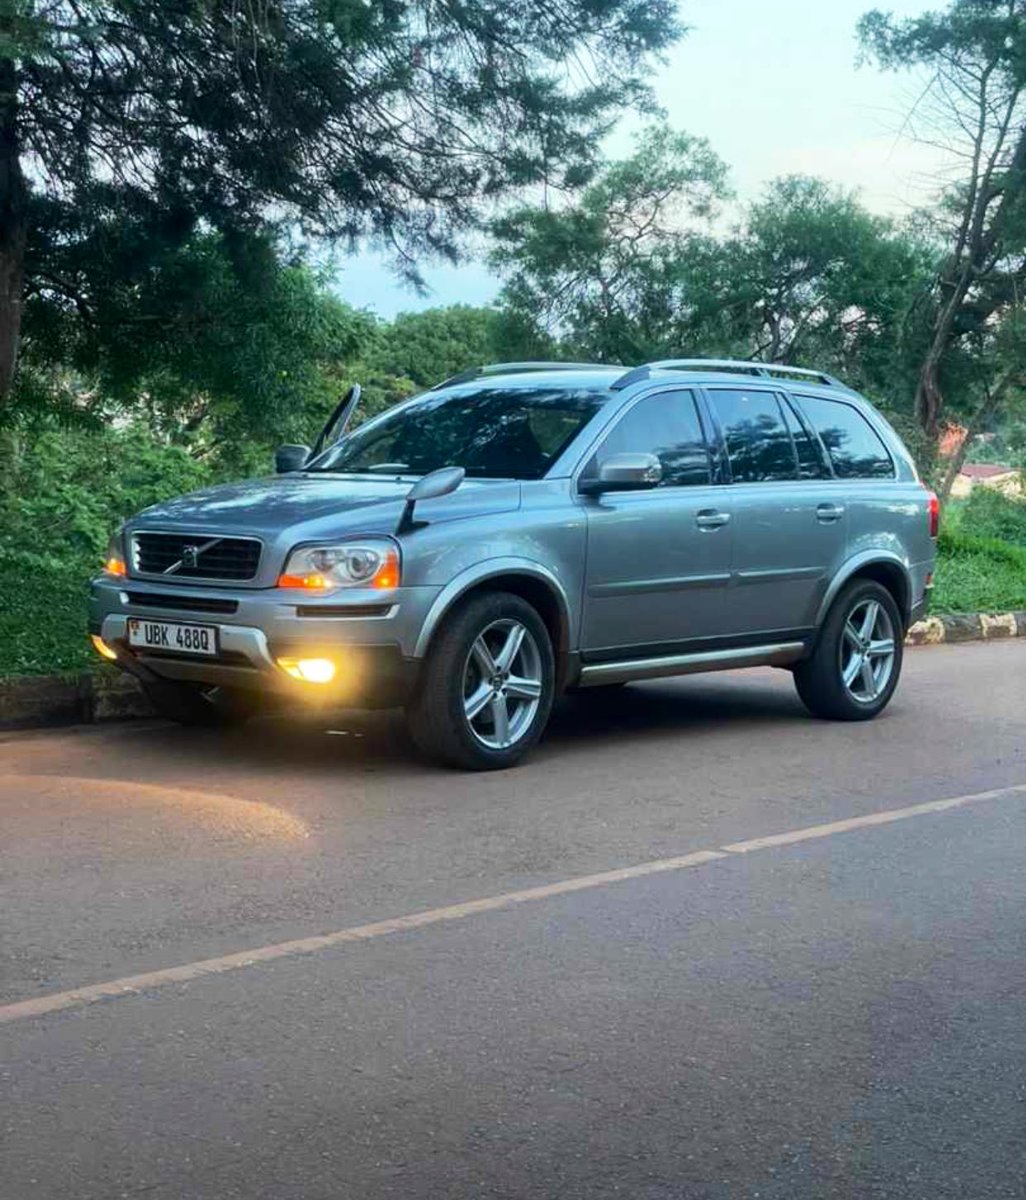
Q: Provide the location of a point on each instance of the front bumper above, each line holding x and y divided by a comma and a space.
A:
370, 636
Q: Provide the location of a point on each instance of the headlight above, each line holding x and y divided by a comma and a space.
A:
114, 561
363, 562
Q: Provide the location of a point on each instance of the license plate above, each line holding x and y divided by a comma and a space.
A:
172, 637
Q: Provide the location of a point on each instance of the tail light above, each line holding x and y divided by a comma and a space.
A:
933, 510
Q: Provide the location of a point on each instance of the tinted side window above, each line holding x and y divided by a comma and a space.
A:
811, 464
854, 446
666, 425
758, 443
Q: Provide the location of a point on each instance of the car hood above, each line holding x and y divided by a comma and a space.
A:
314, 506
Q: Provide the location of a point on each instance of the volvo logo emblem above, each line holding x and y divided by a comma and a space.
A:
190, 557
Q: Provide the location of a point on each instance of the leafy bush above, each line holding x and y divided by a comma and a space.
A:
979, 574
990, 513
62, 495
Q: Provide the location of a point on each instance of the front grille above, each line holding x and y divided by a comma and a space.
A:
205, 604
195, 556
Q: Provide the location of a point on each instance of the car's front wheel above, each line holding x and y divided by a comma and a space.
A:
854, 669
487, 685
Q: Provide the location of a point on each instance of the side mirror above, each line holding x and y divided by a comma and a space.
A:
429, 487
624, 473
290, 458
437, 483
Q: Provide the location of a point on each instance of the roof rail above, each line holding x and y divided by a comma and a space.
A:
738, 366
515, 368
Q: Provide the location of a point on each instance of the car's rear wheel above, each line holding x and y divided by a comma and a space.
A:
855, 667
487, 686
198, 705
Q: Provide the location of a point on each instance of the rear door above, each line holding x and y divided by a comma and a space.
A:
658, 561
790, 519
864, 472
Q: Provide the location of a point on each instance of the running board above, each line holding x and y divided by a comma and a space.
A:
779, 654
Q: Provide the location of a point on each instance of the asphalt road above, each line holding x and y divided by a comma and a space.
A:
841, 1015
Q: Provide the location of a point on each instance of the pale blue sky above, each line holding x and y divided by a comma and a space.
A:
774, 87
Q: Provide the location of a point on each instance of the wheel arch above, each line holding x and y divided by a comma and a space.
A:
886, 569
529, 580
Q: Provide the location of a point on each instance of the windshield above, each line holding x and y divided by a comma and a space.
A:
501, 433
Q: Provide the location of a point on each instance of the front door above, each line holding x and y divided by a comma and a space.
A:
658, 563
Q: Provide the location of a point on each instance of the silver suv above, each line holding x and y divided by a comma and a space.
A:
525, 529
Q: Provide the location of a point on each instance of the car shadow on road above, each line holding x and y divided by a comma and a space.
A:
321, 743
676, 707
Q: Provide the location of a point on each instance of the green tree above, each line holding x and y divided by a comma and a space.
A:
807, 276
810, 276
427, 347
346, 117
606, 276
418, 350
207, 342
974, 105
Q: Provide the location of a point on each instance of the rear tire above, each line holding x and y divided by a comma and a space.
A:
855, 667
198, 706
487, 685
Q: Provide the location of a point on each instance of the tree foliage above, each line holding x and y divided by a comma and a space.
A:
974, 107
606, 274
346, 117
419, 349
207, 341
810, 275
631, 273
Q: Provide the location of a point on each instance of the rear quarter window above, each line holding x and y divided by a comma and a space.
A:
856, 450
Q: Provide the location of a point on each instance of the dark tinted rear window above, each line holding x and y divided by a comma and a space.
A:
854, 446
758, 443
502, 433
811, 463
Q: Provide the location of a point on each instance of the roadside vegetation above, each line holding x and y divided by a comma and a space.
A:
982, 559
174, 215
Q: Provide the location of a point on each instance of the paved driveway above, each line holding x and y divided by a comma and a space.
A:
657, 997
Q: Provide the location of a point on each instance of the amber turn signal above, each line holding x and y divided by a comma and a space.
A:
310, 583
101, 647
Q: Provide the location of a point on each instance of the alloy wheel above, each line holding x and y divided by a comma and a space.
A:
502, 684
868, 650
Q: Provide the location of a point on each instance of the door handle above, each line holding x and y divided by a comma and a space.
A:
829, 512
711, 518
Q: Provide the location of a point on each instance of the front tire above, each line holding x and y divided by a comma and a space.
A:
487, 686
197, 706
855, 667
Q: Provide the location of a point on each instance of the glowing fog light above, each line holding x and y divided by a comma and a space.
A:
309, 670
101, 647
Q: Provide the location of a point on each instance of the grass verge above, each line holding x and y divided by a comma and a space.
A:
978, 574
